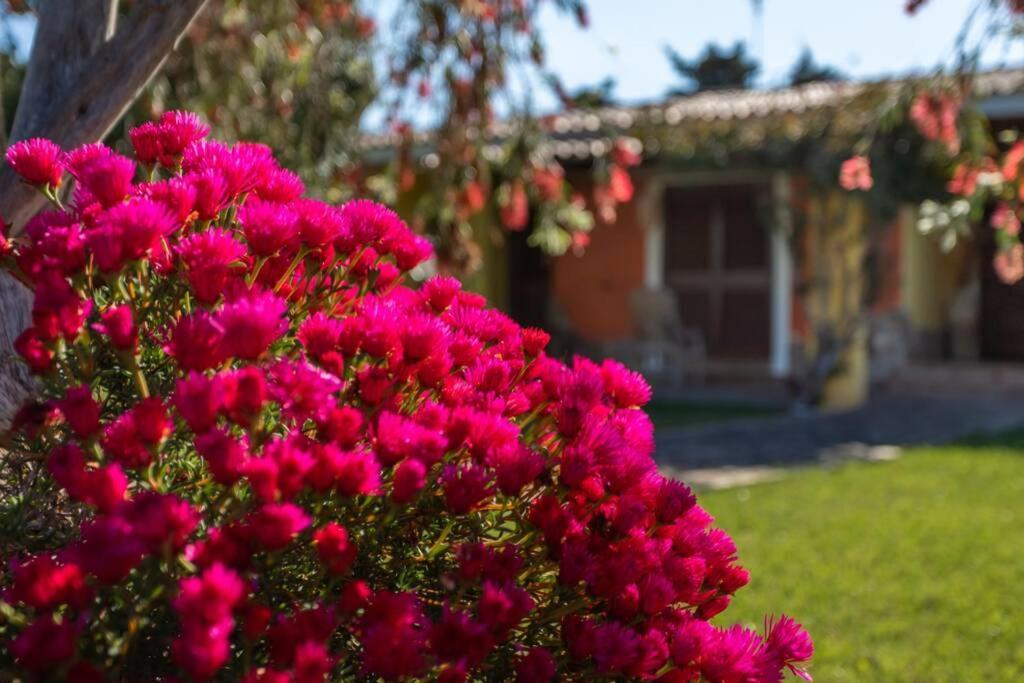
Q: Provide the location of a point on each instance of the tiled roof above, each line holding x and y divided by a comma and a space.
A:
583, 134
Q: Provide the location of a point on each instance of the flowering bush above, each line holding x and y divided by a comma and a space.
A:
273, 461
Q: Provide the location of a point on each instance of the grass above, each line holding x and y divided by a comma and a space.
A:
667, 414
904, 571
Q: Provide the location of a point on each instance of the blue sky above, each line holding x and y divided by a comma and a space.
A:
626, 39
868, 38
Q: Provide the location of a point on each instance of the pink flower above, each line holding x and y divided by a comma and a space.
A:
176, 132
409, 479
81, 411
465, 487
312, 662
198, 400
538, 666
196, 342
399, 437
45, 645
302, 390
320, 334
152, 425
458, 637
117, 323
38, 161
440, 291
629, 389
109, 548
366, 222
251, 324
121, 441
616, 647
162, 521
964, 181
105, 175
129, 232
210, 597
1005, 218
276, 524
210, 192
225, 456
280, 185
358, 473
57, 309
34, 351
789, 644
205, 605
207, 258
1009, 264
56, 241
342, 402
935, 116
674, 499
392, 637
516, 467
176, 194
146, 141
319, 223
515, 206
245, 393
104, 487
855, 174
44, 583
204, 650
501, 608
334, 548
268, 226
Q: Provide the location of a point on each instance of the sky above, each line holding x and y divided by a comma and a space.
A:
864, 39
626, 39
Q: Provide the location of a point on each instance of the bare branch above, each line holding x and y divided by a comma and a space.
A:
67, 35
94, 93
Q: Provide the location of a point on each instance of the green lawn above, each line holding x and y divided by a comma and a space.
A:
686, 413
904, 571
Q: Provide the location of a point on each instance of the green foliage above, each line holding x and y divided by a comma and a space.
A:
807, 70
295, 75
716, 68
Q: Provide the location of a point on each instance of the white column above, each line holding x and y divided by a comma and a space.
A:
654, 235
782, 276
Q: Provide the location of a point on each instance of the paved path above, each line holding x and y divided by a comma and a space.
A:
788, 440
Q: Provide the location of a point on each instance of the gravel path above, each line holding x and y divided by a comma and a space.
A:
888, 420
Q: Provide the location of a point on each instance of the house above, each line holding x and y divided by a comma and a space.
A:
778, 276
739, 260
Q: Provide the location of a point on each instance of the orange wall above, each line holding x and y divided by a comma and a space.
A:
594, 289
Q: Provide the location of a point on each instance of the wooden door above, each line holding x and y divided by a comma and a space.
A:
717, 262
1001, 319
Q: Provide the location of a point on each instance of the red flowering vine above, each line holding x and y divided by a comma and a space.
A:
276, 461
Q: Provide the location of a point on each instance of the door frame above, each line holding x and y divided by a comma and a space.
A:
779, 362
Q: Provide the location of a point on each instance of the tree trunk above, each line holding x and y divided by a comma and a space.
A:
85, 70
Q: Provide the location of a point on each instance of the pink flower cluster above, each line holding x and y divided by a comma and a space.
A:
935, 115
855, 174
286, 465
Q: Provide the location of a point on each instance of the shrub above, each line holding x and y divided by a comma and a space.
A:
267, 459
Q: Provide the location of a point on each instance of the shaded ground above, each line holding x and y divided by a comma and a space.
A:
906, 571
670, 414
787, 439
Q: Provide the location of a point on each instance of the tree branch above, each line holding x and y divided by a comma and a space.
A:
98, 87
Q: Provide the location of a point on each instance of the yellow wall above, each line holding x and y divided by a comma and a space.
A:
835, 244
930, 277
